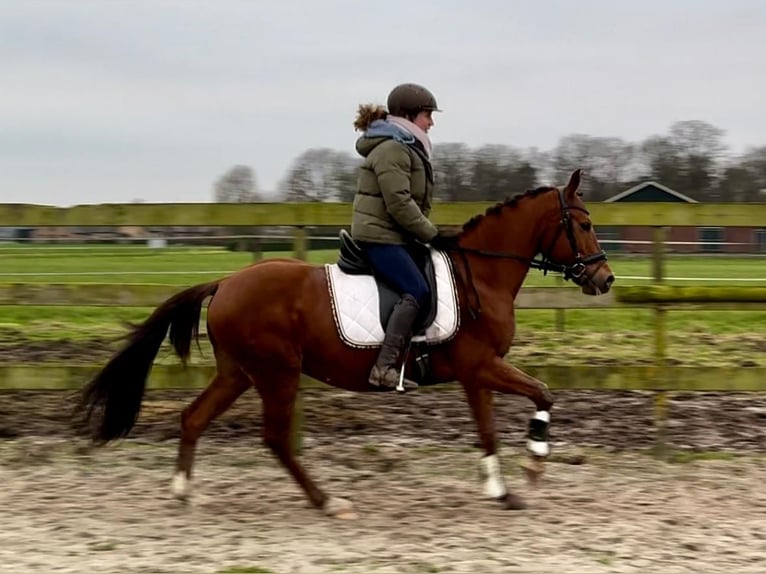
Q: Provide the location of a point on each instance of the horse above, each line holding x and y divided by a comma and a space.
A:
272, 321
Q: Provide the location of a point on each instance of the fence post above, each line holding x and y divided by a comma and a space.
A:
256, 248
660, 343
658, 254
299, 242
560, 313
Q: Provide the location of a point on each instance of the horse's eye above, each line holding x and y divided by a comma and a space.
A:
586, 226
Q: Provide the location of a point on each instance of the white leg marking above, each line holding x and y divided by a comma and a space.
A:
180, 486
544, 416
494, 486
540, 447
340, 508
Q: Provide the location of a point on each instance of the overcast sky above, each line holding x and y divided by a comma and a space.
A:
111, 101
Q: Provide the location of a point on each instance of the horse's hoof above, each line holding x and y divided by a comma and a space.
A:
340, 508
533, 469
348, 514
180, 486
513, 502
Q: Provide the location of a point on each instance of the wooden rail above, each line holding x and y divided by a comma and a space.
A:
150, 295
573, 377
339, 214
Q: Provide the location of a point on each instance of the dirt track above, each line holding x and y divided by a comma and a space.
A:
729, 422
410, 467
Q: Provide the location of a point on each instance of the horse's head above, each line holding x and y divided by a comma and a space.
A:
571, 242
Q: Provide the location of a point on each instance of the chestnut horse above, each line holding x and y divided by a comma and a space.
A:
273, 320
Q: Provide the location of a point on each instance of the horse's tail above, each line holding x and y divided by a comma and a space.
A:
109, 404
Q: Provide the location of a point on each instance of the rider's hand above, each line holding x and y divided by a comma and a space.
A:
445, 240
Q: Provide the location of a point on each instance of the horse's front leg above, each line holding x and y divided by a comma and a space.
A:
481, 403
498, 375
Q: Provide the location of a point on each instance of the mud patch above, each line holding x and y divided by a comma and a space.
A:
619, 420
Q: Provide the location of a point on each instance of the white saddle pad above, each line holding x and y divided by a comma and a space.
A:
355, 306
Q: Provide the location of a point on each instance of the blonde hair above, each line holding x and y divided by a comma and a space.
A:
368, 113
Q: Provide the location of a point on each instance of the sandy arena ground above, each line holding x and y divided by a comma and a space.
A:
409, 465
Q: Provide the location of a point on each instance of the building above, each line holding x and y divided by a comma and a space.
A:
638, 239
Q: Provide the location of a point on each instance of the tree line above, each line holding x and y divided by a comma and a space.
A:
691, 158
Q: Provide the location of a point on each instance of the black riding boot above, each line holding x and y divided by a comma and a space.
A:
398, 333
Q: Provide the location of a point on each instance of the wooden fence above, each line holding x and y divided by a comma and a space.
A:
658, 376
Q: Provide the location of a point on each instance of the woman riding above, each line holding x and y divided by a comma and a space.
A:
391, 209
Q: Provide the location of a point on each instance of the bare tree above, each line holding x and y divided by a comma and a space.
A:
697, 138
321, 174
452, 171
609, 163
663, 161
702, 148
500, 171
754, 161
237, 185
744, 179
541, 160
689, 159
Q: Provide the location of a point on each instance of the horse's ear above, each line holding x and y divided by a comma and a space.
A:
574, 183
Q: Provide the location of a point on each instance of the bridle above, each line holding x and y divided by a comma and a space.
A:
575, 272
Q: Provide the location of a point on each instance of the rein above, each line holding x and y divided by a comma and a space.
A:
574, 271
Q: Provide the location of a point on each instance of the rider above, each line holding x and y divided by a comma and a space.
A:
391, 208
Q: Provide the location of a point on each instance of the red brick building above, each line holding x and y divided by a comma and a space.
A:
638, 239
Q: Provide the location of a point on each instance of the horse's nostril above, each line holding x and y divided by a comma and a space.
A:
609, 281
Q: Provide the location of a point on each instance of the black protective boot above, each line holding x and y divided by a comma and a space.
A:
385, 372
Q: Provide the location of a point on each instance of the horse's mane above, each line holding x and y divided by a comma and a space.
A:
507, 202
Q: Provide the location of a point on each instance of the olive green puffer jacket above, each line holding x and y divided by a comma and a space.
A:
394, 192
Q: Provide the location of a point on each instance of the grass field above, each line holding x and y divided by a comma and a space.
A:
592, 337
79, 322
187, 266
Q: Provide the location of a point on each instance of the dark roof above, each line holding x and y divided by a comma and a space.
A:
653, 191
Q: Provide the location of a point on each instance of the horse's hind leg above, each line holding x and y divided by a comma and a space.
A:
279, 392
222, 391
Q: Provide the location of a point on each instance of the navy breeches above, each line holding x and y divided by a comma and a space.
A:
395, 266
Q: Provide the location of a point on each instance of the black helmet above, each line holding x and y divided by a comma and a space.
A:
411, 99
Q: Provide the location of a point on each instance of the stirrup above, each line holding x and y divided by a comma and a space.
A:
405, 385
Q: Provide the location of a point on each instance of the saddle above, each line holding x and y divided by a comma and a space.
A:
351, 260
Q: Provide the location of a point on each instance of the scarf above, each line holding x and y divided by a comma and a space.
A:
413, 130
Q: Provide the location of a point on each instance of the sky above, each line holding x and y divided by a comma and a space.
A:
107, 101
